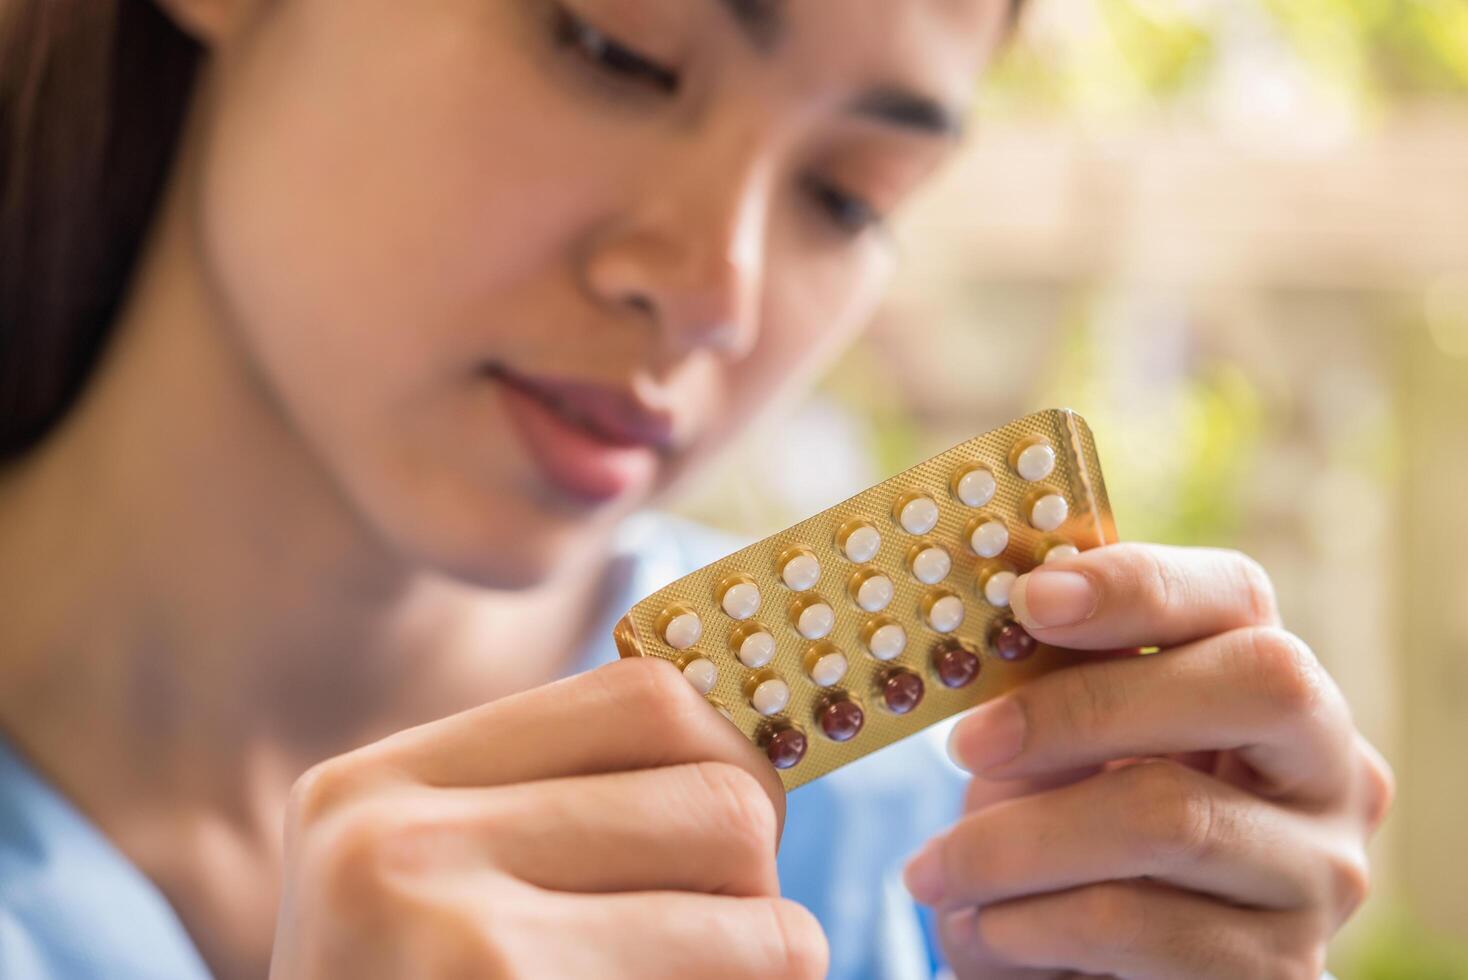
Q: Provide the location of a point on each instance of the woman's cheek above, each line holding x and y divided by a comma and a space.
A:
820, 293
383, 207
813, 308
381, 235
369, 243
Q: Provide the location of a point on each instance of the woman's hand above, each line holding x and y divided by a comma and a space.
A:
1202, 812
609, 825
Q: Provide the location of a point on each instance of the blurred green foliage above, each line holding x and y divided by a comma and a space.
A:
1398, 949
1130, 54
1382, 49
1181, 453
1135, 59
895, 436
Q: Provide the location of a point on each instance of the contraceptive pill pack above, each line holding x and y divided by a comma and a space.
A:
888, 612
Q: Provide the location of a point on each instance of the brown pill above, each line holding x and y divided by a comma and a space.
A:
902, 690
841, 720
786, 747
956, 666
1011, 642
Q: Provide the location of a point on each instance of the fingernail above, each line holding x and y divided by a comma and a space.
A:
923, 875
961, 928
991, 736
1045, 599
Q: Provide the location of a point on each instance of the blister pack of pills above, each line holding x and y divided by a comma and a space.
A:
888, 612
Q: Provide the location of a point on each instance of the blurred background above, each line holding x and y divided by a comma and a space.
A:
1234, 235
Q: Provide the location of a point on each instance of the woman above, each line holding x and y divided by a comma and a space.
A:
317, 505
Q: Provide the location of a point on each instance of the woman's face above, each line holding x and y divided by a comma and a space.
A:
509, 267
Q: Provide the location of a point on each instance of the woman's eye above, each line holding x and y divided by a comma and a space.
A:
849, 212
609, 55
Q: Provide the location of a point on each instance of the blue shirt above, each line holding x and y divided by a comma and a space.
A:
72, 906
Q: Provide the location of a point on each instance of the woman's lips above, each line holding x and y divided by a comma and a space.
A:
586, 440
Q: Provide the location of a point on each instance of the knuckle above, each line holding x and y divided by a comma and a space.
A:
348, 854
321, 790
1092, 698
1007, 931
740, 805
978, 849
1286, 674
364, 849
462, 942
1258, 588
652, 689
1148, 577
1002, 928
1380, 787
1109, 916
1350, 883
803, 949
1180, 818
1299, 946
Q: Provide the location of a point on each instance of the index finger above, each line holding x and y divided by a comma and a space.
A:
1135, 595
1259, 692
632, 714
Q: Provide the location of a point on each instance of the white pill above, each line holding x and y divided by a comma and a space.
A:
976, 487
862, 543
1049, 512
989, 539
1061, 551
771, 696
741, 600
801, 572
946, 615
887, 641
683, 630
997, 588
702, 674
931, 566
829, 669
1035, 462
816, 621
919, 515
874, 593
757, 650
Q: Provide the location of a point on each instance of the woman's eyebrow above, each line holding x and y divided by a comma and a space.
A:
763, 21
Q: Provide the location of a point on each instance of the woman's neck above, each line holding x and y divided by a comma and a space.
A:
194, 614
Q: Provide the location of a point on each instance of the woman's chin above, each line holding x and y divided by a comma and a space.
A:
507, 542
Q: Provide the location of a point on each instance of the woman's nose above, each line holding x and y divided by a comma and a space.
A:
689, 257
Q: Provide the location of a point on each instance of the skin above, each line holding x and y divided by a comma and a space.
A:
1199, 812
295, 507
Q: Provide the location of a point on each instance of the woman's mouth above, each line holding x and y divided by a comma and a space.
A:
594, 442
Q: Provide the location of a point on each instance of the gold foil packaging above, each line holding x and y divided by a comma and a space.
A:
890, 611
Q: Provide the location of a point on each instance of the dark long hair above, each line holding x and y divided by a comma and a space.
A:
92, 99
